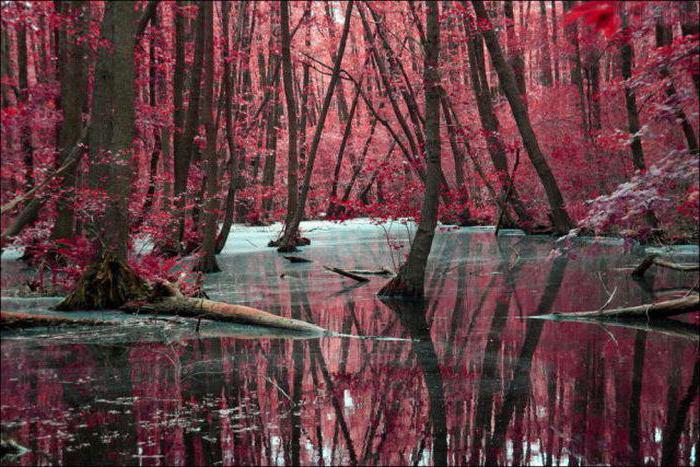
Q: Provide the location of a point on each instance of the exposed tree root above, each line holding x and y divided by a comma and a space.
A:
345, 273
16, 320
654, 259
657, 310
107, 284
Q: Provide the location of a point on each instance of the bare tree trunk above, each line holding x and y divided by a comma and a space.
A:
111, 130
626, 54
332, 206
555, 43
273, 115
157, 141
340, 98
560, 217
26, 130
410, 280
664, 38
185, 148
287, 72
491, 126
515, 49
72, 70
571, 32
291, 231
546, 64
207, 263
689, 27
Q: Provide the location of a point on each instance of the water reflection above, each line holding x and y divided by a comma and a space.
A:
474, 383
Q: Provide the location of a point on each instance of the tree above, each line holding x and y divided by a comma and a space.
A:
109, 282
626, 54
291, 230
207, 262
410, 280
287, 72
560, 217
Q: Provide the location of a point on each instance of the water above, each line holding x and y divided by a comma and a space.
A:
472, 381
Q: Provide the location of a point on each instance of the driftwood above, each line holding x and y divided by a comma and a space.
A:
297, 259
345, 273
173, 303
654, 259
657, 310
16, 320
667, 327
371, 272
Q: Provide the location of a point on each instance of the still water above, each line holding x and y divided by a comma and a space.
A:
468, 378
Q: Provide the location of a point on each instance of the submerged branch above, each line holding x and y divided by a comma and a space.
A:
17, 320
654, 259
657, 310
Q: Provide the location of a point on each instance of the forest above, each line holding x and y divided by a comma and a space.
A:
350, 232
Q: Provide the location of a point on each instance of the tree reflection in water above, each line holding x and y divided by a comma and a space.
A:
472, 383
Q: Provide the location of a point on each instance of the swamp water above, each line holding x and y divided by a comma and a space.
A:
468, 381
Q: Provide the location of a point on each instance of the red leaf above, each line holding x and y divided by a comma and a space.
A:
601, 15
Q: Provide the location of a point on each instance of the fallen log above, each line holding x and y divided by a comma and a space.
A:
16, 320
657, 310
177, 305
665, 326
654, 259
297, 259
345, 273
372, 272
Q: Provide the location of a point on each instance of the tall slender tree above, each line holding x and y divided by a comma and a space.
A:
561, 221
410, 280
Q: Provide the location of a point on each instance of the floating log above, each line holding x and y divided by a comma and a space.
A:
16, 320
654, 259
371, 272
665, 326
657, 310
297, 259
345, 273
177, 305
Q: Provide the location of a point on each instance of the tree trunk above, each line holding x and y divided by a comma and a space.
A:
664, 38
184, 150
571, 32
490, 124
690, 27
515, 50
207, 262
546, 64
410, 280
626, 54
560, 217
26, 130
287, 77
111, 130
72, 68
291, 231
555, 43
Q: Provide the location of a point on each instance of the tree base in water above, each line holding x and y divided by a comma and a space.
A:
398, 287
207, 264
106, 284
291, 246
